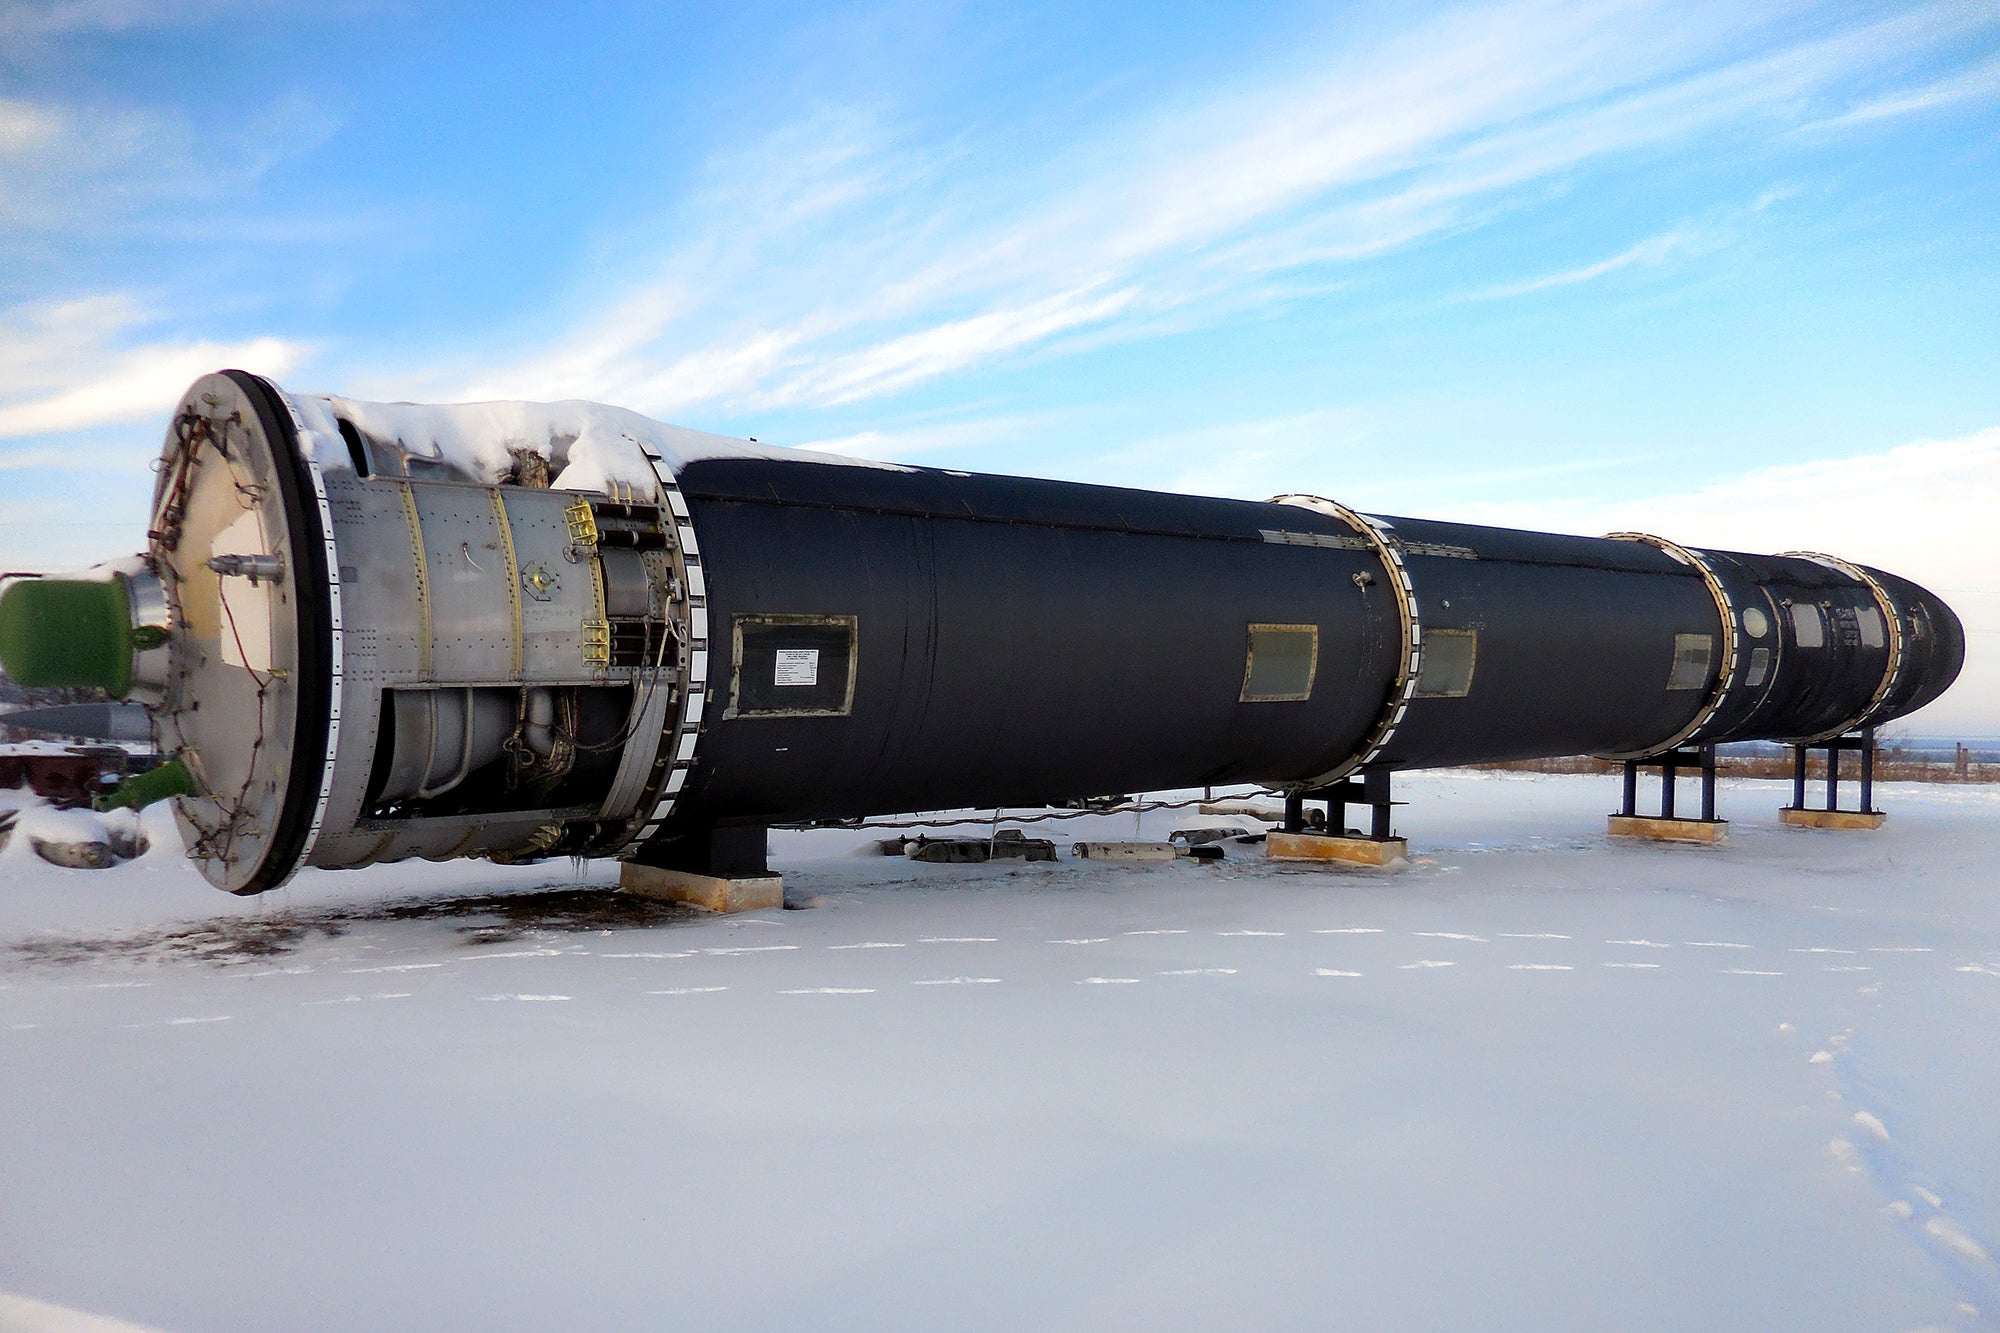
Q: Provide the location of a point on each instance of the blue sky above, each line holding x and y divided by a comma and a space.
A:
1733, 269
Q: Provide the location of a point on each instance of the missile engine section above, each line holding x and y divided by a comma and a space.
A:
370, 632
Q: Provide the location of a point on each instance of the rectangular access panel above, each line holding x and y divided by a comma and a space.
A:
793, 666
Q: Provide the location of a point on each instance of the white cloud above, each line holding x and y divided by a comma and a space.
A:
72, 170
1979, 82
899, 444
1923, 511
830, 263
942, 348
77, 364
24, 21
1652, 251
1250, 460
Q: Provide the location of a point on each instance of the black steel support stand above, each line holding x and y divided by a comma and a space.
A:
1862, 741
1370, 787
736, 850
1699, 759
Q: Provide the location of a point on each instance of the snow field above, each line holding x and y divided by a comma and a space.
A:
1537, 1080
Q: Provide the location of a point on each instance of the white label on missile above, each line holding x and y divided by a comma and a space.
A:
797, 666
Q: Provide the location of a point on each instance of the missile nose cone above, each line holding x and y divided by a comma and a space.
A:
67, 632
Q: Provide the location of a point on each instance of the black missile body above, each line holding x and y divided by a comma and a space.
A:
368, 632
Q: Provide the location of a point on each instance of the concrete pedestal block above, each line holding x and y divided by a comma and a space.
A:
1336, 847
1841, 819
718, 893
1655, 829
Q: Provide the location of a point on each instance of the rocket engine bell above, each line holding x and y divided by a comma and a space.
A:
372, 632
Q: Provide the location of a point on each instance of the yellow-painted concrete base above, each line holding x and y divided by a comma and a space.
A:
1335, 847
1669, 830
717, 893
1798, 818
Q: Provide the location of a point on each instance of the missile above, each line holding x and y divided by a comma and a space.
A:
369, 632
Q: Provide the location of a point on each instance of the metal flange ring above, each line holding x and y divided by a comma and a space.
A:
1382, 539
1892, 616
1732, 642
674, 760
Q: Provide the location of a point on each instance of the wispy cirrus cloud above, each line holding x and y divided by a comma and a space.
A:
78, 170
835, 263
42, 20
1980, 82
1652, 251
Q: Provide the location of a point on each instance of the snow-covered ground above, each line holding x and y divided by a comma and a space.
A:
1537, 1080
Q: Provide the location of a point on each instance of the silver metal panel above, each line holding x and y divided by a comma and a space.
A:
383, 581
471, 604
557, 594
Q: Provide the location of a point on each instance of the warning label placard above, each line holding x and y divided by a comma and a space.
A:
797, 666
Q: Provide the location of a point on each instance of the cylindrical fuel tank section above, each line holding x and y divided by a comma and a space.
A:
516, 630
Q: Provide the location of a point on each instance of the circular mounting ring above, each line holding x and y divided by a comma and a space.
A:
674, 761
1382, 538
1732, 642
1892, 617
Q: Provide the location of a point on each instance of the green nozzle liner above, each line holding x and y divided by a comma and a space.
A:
67, 632
142, 789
